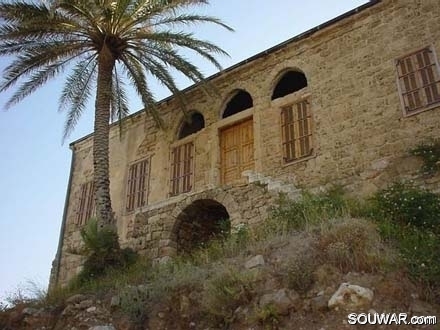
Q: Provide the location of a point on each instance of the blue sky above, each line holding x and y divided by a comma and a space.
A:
34, 165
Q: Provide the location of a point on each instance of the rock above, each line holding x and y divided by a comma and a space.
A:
241, 314
115, 301
29, 311
91, 309
319, 303
254, 262
185, 305
351, 297
279, 299
75, 299
69, 310
85, 304
420, 307
103, 327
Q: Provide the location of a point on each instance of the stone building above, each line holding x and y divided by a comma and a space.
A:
342, 103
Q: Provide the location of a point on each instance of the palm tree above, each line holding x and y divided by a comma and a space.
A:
104, 44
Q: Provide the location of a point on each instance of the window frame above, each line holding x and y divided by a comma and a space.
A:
290, 104
179, 144
419, 81
86, 207
136, 192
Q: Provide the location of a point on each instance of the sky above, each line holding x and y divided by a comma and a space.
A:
34, 164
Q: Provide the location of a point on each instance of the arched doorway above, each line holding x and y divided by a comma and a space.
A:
200, 222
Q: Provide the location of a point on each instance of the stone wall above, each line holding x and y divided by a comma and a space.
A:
361, 138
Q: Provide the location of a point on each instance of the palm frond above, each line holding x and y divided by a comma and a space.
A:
160, 72
36, 81
186, 40
138, 79
76, 92
187, 19
119, 102
37, 57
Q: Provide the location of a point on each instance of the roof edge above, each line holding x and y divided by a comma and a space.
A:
255, 57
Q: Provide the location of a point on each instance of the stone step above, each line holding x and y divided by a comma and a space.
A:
273, 185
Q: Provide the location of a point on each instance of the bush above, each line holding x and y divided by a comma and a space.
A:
268, 316
408, 217
430, 153
407, 205
352, 244
103, 252
309, 210
300, 274
225, 292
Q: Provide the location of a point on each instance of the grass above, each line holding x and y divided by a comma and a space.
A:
215, 283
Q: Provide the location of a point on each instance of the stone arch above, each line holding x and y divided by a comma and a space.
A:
217, 196
239, 101
288, 82
198, 223
194, 123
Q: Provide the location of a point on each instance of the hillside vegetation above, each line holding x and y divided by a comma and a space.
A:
282, 274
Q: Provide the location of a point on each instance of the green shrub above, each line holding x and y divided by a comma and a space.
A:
309, 210
419, 249
409, 218
352, 244
300, 274
408, 205
268, 316
430, 153
103, 252
225, 292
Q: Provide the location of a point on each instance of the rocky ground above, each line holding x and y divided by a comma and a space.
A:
273, 296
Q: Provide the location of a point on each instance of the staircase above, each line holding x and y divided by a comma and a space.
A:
273, 185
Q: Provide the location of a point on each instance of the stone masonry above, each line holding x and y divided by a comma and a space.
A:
360, 133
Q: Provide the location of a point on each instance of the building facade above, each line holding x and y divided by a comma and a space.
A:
340, 104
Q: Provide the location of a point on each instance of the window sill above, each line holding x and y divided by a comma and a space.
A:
427, 108
300, 160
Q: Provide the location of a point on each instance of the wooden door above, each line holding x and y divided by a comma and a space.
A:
237, 150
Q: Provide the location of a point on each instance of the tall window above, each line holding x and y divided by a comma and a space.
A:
296, 121
86, 205
137, 184
419, 80
182, 167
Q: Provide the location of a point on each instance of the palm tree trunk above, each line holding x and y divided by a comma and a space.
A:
103, 204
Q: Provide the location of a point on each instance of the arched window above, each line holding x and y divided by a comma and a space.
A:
241, 101
195, 123
289, 83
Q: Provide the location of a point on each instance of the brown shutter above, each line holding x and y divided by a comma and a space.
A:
137, 185
86, 204
296, 130
418, 80
182, 163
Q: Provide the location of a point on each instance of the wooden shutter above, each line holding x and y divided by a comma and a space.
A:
86, 205
137, 185
182, 164
418, 80
296, 130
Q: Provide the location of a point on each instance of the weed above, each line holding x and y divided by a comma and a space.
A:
225, 292
309, 210
351, 244
408, 205
103, 252
300, 275
267, 316
430, 153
